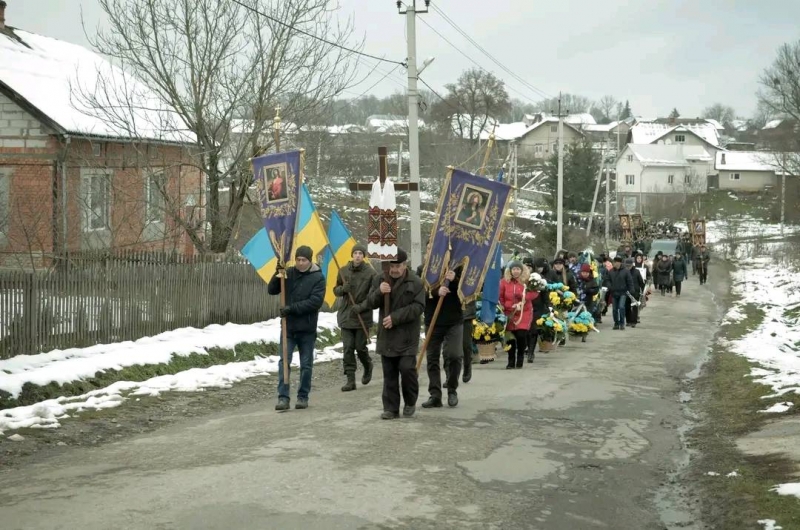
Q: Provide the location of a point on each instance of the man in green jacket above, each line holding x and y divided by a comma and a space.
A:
352, 286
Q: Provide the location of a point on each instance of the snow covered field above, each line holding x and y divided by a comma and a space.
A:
63, 366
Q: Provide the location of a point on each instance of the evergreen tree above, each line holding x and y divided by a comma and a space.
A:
675, 113
581, 165
626, 111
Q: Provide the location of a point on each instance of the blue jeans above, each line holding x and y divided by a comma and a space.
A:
305, 345
618, 305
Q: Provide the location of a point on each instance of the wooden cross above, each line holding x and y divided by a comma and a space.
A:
383, 171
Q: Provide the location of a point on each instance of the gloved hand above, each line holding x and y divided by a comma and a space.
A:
346, 288
284, 311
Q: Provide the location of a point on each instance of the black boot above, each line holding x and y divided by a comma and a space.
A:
467, 377
351, 383
432, 403
367, 377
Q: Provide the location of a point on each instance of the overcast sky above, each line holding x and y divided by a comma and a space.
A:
659, 54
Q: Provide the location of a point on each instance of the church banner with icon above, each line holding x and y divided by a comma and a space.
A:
277, 178
469, 220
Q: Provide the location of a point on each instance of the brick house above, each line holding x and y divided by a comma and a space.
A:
74, 178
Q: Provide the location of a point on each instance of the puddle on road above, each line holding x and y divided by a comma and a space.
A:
519, 460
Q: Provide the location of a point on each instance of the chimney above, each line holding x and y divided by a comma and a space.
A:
722, 162
3, 14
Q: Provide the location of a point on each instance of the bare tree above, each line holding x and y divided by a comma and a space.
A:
472, 103
722, 113
780, 95
212, 63
572, 103
608, 105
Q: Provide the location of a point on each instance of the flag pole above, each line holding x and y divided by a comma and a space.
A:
282, 274
352, 300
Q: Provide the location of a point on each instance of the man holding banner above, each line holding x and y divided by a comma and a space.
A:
353, 284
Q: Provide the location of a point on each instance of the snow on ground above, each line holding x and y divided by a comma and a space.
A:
769, 524
741, 227
779, 407
791, 488
774, 344
74, 364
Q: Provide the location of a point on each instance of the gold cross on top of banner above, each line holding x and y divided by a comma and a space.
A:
383, 171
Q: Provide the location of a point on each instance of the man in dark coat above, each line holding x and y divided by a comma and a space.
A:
619, 283
662, 272
353, 284
398, 334
447, 339
702, 259
631, 308
679, 272
470, 312
305, 292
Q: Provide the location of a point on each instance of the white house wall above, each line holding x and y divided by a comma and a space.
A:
748, 180
544, 138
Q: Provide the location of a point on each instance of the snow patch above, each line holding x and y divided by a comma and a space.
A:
769, 524
790, 488
779, 407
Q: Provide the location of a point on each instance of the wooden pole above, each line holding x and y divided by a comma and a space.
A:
431, 326
489, 146
352, 300
284, 332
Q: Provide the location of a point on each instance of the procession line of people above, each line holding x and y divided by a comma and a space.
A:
525, 301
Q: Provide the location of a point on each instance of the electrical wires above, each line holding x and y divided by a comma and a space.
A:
307, 34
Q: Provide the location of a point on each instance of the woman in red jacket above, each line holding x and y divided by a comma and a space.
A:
518, 306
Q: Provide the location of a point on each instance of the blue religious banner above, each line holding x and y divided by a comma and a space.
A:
277, 178
469, 221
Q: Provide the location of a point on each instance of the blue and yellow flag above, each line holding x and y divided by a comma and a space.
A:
260, 253
339, 252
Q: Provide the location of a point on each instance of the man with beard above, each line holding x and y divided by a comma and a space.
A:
619, 283
398, 334
305, 293
353, 285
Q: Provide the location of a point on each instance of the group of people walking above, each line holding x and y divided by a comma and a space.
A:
622, 285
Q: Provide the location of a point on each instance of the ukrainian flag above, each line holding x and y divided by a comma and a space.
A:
339, 251
310, 232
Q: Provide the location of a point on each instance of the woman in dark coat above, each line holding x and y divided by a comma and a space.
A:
679, 272
662, 272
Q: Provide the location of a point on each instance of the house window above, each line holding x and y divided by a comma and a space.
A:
630, 158
5, 200
96, 149
554, 128
538, 149
680, 138
670, 179
154, 198
95, 201
630, 180
735, 176
687, 179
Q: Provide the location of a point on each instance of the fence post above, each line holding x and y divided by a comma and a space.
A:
30, 313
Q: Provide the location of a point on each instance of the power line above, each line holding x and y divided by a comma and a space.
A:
489, 55
387, 74
284, 24
459, 50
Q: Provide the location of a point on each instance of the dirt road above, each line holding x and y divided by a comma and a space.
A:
583, 438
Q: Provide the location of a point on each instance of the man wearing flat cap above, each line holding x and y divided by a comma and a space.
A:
398, 334
305, 292
353, 284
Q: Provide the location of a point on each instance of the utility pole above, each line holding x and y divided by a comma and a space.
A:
596, 190
608, 203
783, 192
413, 133
560, 204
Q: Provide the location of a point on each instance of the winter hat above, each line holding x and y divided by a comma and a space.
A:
304, 252
539, 262
617, 259
558, 260
586, 268
359, 248
629, 261
402, 256
527, 260
515, 263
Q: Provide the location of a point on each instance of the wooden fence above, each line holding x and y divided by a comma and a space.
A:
101, 299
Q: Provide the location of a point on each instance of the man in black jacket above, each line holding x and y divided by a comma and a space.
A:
398, 334
447, 338
560, 274
631, 308
353, 284
305, 292
619, 283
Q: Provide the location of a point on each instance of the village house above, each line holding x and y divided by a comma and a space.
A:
76, 177
537, 137
747, 170
653, 174
699, 133
779, 135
